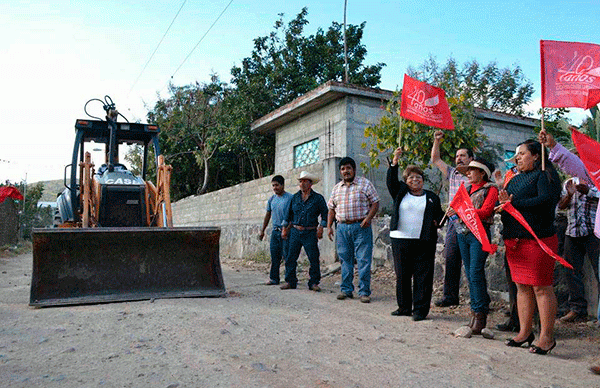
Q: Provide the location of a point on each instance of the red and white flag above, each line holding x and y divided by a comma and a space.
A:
425, 104
462, 204
570, 74
589, 153
519, 217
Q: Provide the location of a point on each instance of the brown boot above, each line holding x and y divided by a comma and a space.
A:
480, 322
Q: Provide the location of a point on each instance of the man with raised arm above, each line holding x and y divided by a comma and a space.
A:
453, 260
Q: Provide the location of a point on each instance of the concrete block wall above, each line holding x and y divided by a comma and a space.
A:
239, 212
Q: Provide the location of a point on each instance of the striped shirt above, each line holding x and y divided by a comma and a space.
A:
455, 178
352, 202
581, 213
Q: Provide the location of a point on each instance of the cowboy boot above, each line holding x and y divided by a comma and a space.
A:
480, 322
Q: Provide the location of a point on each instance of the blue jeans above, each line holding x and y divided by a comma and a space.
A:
297, 240
279, 250
352, 242
474, 260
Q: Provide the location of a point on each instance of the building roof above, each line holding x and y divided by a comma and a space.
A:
313, 100
506, 117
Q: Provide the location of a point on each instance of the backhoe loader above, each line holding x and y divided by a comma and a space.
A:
115, 239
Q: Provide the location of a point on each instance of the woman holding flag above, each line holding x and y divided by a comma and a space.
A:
534, 193
484, 196
413, 232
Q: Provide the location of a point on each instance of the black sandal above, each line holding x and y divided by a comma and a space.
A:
537, 350
517, 344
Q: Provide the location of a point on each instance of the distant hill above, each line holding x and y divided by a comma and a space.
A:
51, 188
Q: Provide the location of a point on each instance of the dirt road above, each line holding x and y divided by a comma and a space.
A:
259, 336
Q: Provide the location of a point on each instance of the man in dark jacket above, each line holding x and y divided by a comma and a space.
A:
304, 230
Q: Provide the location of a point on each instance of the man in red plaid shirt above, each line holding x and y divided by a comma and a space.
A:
353, 204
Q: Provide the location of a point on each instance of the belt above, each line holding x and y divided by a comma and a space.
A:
351, 221
299, 227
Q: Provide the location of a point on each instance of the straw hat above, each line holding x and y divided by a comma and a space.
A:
473, 164
309, 176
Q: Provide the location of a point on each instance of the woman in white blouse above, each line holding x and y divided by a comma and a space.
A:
413, 231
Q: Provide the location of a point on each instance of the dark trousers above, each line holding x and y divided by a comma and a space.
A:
575, 250
413, 263
308, 240
279, 250
453, 262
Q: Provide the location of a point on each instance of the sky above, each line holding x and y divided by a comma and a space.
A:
56, 55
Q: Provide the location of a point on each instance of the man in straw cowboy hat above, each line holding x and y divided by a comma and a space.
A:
453, 260
303, 229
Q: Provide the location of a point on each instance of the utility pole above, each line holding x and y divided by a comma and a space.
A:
345, 45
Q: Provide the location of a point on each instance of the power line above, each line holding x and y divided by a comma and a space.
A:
200, 41
156, 49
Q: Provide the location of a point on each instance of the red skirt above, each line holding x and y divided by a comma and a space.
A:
528, 262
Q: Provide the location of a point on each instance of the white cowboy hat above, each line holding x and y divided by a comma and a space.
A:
473, 164
307, 175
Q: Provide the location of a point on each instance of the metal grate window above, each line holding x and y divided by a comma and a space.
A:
306, 153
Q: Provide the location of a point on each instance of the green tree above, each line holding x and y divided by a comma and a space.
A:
285, 64
467, 88
191, 131
591, 125
32, 216
504, 90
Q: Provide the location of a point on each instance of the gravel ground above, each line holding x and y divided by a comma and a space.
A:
261, 336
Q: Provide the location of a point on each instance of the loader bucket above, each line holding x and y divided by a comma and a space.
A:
97, 265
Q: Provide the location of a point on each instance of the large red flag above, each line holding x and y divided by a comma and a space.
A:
462, 204
10, 191
570, 74
425, 104
589, 153
519, 217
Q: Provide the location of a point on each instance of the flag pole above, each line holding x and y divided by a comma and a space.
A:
400, 121
543, 146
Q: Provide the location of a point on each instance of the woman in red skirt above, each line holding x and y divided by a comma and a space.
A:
534, 193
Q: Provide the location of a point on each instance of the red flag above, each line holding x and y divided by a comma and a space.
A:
589, 153
461, 203
519, 217
425, 104
10, 191
570, 74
